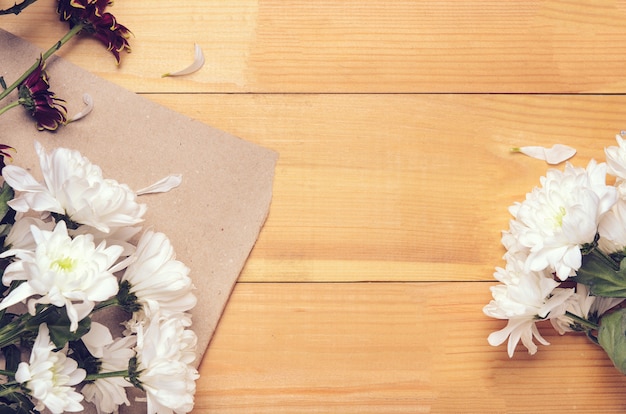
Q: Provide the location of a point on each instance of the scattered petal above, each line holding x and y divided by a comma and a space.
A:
195, 66
88, 100
163, 185
555, 155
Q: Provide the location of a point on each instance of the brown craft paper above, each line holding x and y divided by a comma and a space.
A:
214, 217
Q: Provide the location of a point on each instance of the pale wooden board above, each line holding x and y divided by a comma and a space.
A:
357, 46
399, 187
391, 348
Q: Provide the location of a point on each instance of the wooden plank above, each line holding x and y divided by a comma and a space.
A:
396, 46
390, 347
398, 187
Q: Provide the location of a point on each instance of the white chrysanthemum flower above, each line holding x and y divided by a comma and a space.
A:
616, 158
159, 281
49, 376
75, 187
524, 298
558, 218
20, 236
120, 236
165, 352
612, 229
107, 394
584, 305
62, 271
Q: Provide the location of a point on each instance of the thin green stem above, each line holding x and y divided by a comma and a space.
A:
93, 377
26, 322
9, 106
7, 373
9, 389
73, 31
582, 321
106, 304
17, 8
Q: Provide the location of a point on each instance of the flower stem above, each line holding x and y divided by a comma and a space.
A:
17, 8
112, 374
9, 106
8, 389
106, 304
73, 31
582, 321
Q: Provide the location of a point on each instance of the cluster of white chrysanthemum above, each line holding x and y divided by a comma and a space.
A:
72, 247
564, 249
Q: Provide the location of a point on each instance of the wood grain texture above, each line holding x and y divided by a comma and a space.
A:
393, 121
347, 46
399, 187
390, 348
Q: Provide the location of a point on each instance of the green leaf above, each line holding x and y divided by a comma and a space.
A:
59, 326
612, 337
6, 195
12, 356
602, 275
15, 401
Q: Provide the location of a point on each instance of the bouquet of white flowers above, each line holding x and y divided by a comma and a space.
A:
565, 250
75, 263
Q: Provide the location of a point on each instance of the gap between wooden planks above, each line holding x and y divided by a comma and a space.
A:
395, 46
399, 187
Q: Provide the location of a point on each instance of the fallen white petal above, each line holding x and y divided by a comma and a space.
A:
88, 108
163, 185
555, 155
198, 62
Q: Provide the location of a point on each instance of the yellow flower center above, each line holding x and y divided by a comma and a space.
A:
559, 216
64, 264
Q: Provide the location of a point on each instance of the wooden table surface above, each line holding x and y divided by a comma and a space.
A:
393, 120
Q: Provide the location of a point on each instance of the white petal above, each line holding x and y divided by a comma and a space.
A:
195, 66
555, 155
88, 108
20, 179
97, 338
163, 185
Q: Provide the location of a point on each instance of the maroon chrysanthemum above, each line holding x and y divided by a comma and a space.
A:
102, 25
43, 105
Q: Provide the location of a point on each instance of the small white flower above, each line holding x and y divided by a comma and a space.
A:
160, 282
165, 351
49, 375
108, 393
524, 298
62, 271
75, 187
558, 218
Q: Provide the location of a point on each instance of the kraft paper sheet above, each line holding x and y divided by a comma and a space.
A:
213, 219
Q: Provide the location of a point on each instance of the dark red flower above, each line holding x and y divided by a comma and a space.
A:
42, 104
4, 154
102, 25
